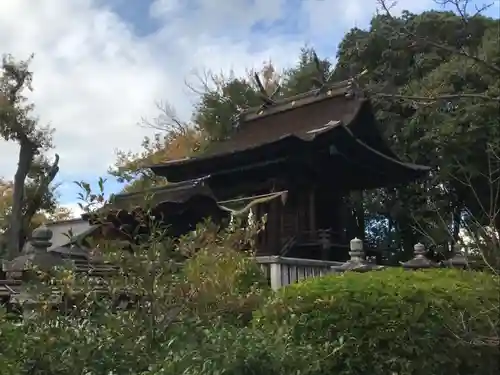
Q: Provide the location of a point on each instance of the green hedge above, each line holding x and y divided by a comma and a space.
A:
387, 322
228, 350
393, 321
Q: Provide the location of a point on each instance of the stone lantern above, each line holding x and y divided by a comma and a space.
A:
458, 259
358, 262
419, 261
34, 255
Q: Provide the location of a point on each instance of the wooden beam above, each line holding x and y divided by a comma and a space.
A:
250, 166
244, 199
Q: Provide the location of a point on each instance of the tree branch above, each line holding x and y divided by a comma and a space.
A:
35, 202
439, 97
407, 32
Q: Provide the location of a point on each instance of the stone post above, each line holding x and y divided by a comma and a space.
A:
275, 271
457, 260
419, 261
357, 263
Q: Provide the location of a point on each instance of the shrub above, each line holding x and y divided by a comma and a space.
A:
229, 350
220, 277
89, 333
223, 282
392, 321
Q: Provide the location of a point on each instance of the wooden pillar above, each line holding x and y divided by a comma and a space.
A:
312, 211
326, 245
268, 230
274, 220
261, 237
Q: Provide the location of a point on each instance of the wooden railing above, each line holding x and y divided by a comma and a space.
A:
282, 271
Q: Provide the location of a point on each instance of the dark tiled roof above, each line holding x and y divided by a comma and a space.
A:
172, 193
299, 116
180, 206
337, 119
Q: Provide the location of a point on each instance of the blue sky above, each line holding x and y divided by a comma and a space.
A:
101, 65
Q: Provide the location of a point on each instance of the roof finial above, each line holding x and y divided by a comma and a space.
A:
322, 78
268, 100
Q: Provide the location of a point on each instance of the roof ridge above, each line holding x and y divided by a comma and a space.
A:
333, 88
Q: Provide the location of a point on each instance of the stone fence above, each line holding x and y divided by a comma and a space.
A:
281, 271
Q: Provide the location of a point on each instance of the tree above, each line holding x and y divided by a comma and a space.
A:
466, 89
304, 75
221, 99
432, 78
435, 82
48, 211
6, 188
176, 140
18, 124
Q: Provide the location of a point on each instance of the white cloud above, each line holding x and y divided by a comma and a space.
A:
95, 79
351, 13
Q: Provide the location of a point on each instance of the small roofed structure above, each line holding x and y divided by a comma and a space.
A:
70, 238
40, 255
311, 150
328, 136
179, 207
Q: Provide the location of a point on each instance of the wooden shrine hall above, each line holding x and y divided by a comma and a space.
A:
310, 150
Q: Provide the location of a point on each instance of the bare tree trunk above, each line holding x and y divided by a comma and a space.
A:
26, 153
34, 203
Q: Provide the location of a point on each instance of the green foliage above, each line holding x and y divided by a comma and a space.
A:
300, 78
31, 191
77, 322
225, 349
393, 321
433, 80
194, 319
225, 283
216, 112
189, 322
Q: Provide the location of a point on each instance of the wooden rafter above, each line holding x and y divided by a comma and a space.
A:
322, 78
267, 100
